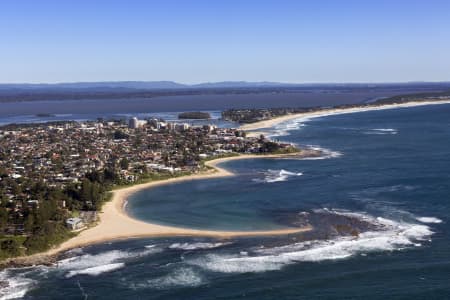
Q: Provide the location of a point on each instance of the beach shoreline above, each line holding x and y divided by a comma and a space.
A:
264, 124
115, 224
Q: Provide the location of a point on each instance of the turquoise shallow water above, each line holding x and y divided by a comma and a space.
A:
387, 168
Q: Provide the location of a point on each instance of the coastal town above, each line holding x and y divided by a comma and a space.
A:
54, 177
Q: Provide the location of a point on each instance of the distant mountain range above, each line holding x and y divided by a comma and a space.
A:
139, 85
151, 89
171, 85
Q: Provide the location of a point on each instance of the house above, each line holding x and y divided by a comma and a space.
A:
74, 223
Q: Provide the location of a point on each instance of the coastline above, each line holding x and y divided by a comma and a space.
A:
116, 224
331, 112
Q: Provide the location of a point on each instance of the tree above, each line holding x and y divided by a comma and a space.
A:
11, 247
96, 176
44, 237
29, 223
118, 135
3, 218
124, 163
270, 147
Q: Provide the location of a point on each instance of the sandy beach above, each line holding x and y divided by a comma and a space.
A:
329, 112
115, 224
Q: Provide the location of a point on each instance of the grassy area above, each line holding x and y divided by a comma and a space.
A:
12, 245
18, 245
48, 236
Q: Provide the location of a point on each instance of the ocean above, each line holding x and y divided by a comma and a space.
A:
385, 175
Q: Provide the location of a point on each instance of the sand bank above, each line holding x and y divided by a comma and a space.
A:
330, 112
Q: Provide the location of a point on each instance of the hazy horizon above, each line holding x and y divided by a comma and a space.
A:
193, 84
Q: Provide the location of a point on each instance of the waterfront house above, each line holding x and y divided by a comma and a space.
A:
74, 223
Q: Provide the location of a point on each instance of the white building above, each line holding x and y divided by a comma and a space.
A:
157, 124
182, 127
74, 223
133, 123
209, 127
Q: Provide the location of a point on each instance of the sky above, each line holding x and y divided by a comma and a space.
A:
193, 41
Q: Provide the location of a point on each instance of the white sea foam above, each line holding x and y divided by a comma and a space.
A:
15, 286
89, 260
197, 246
392, 236
75, 251
283, 129
382, 131
183, 277
90, 264
327, 153
429, 220
95, 271
271, 176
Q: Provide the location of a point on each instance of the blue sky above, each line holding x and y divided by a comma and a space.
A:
193, 41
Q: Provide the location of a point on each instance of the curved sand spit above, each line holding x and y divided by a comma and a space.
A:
116, 224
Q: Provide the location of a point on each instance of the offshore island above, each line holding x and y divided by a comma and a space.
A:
56, 177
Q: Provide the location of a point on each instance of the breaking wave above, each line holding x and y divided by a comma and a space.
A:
391, 236
95, 271
283, 129
90, 260
382, 131
14, 286
97, 264
182, 277
277, 176
429, 220
197, 246
327, 153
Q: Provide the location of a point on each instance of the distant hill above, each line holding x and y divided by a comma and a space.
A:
151, 89
241, 84
137, 85
171, 85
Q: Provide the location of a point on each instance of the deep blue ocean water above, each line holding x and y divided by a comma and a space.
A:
389, 168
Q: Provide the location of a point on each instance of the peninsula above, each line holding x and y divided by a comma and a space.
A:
55, 177
135, 164
256, 115
114, 222
251, 128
